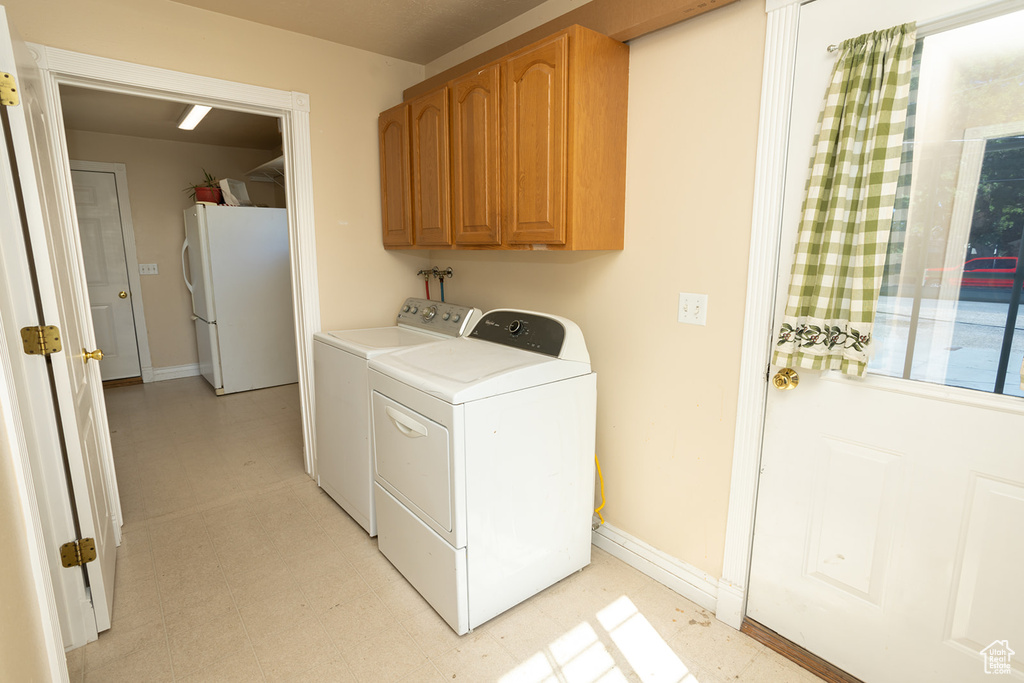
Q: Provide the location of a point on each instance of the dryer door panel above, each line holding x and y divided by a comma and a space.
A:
413, 459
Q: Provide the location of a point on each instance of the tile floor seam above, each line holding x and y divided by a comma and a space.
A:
316, 615
160, 603
234, 603
500, 644
412, 637
156, 581
341, 550
432, 665
86, 668
306, 597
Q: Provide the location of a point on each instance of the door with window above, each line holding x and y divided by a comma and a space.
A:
889, 533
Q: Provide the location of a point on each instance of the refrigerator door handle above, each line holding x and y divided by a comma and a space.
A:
184, 275
188, 284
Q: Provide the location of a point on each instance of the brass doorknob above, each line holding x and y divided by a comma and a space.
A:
786, 379
96, 355
123, 295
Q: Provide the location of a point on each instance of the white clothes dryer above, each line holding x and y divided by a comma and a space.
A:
341, 390
484, 458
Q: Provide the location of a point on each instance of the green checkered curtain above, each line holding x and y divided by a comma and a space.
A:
844, 227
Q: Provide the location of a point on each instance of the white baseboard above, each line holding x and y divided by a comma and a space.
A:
172, 372
730, 604
685, 579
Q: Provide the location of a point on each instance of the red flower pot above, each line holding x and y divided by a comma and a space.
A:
208, 194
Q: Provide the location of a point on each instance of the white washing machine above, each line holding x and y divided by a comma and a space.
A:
484, 457
344, 468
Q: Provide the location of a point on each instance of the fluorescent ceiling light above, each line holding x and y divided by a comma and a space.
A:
192, 116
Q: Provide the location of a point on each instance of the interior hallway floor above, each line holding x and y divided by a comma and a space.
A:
235, 566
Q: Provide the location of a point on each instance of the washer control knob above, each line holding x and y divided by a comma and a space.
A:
515, 327
405, 309
456, 318
415, 309
429, 312
446, 315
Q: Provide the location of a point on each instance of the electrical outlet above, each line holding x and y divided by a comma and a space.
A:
148, 269
693, 308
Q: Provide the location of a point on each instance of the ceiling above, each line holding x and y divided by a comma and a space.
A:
413, 30
417, 31
105, 112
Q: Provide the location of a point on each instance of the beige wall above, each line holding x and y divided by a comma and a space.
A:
666, 391
22, 643
359, 283
157, 171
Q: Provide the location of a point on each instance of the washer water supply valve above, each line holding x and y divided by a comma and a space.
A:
439, 273
425, 273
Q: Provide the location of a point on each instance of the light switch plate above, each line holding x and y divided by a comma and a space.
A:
148, 269
693, 308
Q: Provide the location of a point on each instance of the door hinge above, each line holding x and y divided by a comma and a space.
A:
40, 340
8, 90
77, 553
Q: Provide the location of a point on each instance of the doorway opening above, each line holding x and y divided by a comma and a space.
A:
59, 68
119, 143
143, 286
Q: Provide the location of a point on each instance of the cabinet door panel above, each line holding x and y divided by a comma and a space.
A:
537, 88
475, 158
395, 191
430, 189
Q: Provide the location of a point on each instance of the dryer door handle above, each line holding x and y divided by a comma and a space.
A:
408, 426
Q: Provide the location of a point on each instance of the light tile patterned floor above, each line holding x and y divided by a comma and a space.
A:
235, 566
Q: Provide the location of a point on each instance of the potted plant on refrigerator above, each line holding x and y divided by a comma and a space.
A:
207, 191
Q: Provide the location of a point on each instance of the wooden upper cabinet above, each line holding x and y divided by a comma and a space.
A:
535, 145
395, 189
431, 191
595, 171
476, 170
536, 96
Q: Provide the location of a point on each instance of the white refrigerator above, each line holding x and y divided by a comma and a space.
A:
236, 267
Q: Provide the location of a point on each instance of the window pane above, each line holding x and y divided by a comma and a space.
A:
955, 266
1015, 368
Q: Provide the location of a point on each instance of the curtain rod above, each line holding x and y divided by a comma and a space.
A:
957, 19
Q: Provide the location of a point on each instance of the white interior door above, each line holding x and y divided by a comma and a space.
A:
60, 277
34, 419
889, 529
106, 268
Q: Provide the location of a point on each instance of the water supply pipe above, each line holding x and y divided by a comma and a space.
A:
426, 280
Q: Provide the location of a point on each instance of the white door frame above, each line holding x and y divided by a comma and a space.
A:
292, 108
762, 276
131, 258
63, 67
